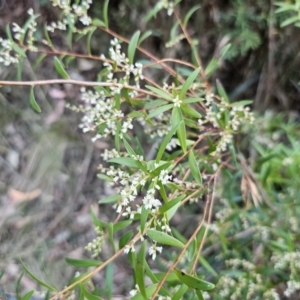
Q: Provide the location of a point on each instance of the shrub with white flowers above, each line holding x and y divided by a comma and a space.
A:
170, 140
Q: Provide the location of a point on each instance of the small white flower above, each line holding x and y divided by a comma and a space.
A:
153, 249
177, 102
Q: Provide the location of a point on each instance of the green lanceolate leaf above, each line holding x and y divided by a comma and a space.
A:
110, 199
199, 295
194, 282
121, 225
177, 118
155, 103
166, 140
160, 93
83, 263
111, 235
88, 295
189, 14
192, 100
125, 238
188, 83
128, 148
27, 296
33, 102
132, 46
59, 67
42, 283
190, 112
180, 292
144, 36
140, 270
126, 161
144, 217
149, 292
167, 206
194, 167
164, 238
222, 91
242, 103
159, 111
105, 13
98, 22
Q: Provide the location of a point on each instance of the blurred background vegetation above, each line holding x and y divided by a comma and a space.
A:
48, 167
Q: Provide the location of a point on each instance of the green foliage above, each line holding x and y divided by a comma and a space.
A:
242, 242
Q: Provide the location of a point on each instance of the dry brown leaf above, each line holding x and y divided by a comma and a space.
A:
16, 196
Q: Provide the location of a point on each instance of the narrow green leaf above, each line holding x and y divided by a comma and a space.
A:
233, 153
159, 111
111, 235
117, 136
192, 100
194, 167
290, 21
171, 212
20, 68
136, 114
155, 103
18, 284
140, 270
160, 93
42, 283
242, 103
98, 22
83, 263
128, 148
177, 118
96, 221
144, 36
194, 282
207, 266
166, 140
149, 292
105, 13
33, 103
157, 170
110, 199
189, 14
188, 83
211, 67
59, 67
199, 294
180, 292
121, 225
162, 192
164, 238
152, 13
144, 217
27, 296
104, 177
39, 60
125, 238
167, 206
47, 37
125, 161
19, 50
88, 40
221, 91
190, 112
8, 33
87, 294
132, 46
